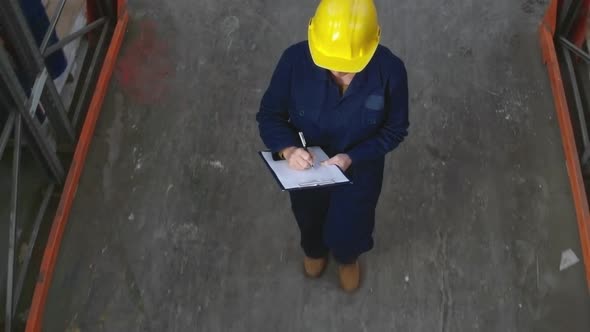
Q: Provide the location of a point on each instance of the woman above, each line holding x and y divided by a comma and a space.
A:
348, 95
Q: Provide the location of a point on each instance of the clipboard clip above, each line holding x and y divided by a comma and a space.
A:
317, 183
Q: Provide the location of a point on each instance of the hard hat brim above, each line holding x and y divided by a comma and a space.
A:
339, 64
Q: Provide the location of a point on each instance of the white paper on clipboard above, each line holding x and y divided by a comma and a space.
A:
313, 177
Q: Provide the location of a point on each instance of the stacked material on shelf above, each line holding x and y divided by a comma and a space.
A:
73, 18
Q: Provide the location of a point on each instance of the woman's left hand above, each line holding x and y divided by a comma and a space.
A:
341, 160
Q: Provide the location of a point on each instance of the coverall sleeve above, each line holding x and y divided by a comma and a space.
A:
273, 117
395, 128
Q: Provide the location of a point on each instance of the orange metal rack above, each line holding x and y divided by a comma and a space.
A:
35, 318
547, 35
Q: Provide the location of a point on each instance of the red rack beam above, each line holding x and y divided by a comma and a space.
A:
546, 36
35, 318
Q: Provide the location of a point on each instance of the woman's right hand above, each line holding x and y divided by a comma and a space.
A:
298, 158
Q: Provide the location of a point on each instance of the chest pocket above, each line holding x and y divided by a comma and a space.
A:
373, 112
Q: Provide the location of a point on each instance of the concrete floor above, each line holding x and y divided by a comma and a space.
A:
177, 225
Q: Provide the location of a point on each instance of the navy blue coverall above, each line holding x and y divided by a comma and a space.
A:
369, 120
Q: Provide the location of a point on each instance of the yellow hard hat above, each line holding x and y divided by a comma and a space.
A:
344, 34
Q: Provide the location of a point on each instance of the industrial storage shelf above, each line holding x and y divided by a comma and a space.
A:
563, 34
56, 59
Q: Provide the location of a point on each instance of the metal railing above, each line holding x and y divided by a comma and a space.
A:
22, 59
570, 56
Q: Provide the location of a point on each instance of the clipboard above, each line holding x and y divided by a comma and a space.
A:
317, 177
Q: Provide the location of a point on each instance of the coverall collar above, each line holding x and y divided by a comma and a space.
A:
359, 80
370, 75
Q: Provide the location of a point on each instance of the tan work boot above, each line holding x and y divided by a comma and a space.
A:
314, 266
350, 276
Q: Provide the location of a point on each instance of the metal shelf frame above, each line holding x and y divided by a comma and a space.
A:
22, 130
561, 34
570, 53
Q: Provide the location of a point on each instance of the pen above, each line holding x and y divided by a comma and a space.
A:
302, 138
